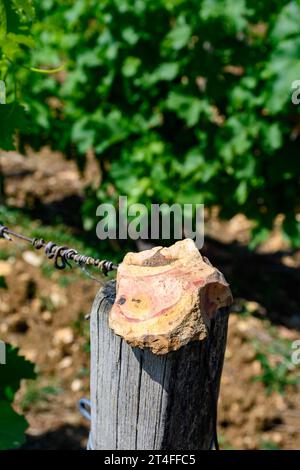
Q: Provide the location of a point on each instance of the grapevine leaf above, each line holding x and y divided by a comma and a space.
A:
12, 117
15, 369
12, 427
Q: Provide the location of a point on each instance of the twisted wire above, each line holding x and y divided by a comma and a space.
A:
60, 254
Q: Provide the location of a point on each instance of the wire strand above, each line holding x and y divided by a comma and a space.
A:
61, 255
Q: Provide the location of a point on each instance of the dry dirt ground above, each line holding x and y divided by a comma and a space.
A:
42, 312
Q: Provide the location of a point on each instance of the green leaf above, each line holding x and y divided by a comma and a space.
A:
259, 235
285, 57
193, 162
187, 107
241, 193
3, 21
15, 369
12, 18
130, 66
231, 12
273, 137
83, 134
12, 118
130, 35
178, 37
26, 7
12, 427
287, 23
166, 71
21, 39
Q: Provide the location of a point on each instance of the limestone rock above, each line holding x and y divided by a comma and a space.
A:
32, 258
5, 268
166, 297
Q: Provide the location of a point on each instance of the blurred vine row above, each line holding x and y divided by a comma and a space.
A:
182, 101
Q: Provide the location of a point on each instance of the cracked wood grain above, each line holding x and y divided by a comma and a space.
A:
152, 402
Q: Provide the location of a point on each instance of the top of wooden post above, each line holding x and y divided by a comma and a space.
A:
166, 297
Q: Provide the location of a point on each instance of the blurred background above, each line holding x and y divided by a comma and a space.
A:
175, 101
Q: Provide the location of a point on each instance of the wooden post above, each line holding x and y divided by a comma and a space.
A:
143, 401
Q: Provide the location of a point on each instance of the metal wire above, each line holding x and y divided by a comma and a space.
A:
61, 255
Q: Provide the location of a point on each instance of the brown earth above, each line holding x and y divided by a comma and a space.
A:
42, 312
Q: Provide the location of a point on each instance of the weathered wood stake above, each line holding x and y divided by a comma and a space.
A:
151, 402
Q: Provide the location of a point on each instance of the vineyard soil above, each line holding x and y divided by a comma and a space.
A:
42, 311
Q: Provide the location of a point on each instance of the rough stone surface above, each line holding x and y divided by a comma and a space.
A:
166, 297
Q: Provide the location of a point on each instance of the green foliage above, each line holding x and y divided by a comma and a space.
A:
15, 41
274, 377
181, 101
12, 117
12, 425
275, 360
269, 445
35, 394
